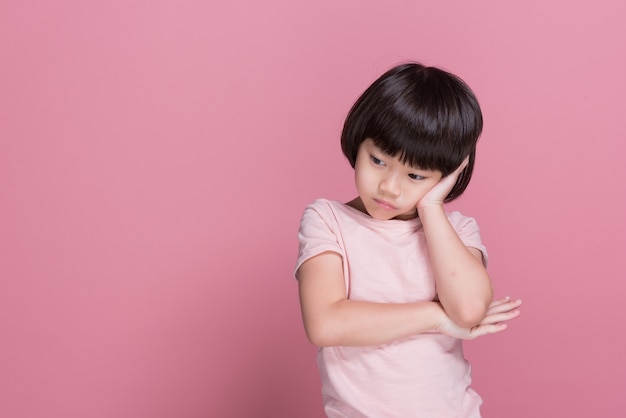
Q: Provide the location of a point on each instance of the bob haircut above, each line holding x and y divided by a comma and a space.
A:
425, 116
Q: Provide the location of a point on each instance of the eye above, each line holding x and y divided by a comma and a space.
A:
376, 161
416, 176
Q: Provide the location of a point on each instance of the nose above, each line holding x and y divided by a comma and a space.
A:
390, 185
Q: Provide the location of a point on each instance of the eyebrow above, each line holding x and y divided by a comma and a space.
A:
372, 145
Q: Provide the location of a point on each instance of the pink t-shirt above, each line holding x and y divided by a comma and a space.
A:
423, 376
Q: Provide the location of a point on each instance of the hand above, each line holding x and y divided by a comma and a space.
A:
440, 191
499, 311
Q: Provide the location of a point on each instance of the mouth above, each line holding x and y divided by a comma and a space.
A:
384, 204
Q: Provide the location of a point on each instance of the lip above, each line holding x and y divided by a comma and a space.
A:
384, 204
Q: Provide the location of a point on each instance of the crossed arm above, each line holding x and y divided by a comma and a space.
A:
465, 308
330, 319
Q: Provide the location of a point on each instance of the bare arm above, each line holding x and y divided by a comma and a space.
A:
330, 319
463, 285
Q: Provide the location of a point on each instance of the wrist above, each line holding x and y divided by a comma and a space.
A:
435, 314
432, 207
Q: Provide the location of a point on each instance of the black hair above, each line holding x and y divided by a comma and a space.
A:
427, 117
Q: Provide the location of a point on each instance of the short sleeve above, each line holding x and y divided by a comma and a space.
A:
317, 233
468, 231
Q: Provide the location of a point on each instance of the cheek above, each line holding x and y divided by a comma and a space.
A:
430, 187
358, 180
421, 191
362, 177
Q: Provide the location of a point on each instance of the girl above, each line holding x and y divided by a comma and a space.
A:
390, 284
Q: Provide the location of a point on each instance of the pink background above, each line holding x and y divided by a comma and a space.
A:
155, 157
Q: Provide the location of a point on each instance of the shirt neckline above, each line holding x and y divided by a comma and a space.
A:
367, 219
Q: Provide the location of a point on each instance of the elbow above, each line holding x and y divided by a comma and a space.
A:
471, 315
313, 335
469, 320
320, 335
473, 311
325, 328
317, 340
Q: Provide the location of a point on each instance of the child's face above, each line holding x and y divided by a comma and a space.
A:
388, 188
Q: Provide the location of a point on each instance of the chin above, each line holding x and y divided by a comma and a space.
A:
381, 216
406, 215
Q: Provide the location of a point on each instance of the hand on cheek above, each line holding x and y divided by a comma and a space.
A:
440, 191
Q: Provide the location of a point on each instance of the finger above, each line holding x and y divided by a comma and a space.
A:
500, 301
486, 329
457, 172
503, 306
500, 317
463, 164
502, 312
461, 167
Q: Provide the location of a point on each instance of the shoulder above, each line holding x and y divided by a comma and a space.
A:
324, 209
318, 213
323, 205
324, 216
319, 231
468, 231
460, 221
